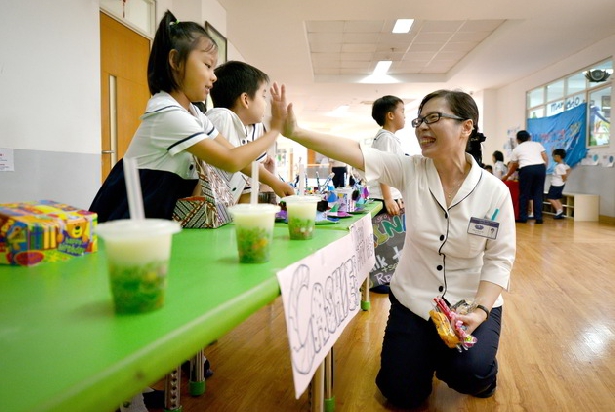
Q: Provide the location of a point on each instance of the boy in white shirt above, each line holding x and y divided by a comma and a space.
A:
558, 181
388, 112
239, 96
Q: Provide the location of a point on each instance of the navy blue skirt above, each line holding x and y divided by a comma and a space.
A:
161, 190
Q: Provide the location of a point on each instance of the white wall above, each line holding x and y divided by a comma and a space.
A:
50, 99
50, 94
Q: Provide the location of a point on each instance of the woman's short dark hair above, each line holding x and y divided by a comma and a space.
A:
523, 136
384, 105
498, 156
234, 79
183, 36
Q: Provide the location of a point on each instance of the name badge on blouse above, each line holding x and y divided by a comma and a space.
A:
483, 227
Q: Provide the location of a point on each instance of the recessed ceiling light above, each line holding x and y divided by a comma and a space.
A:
382, 67
403, 25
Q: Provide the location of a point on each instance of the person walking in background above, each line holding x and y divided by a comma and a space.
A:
499, 167
388, 112
531, 160
558, 181
445, 190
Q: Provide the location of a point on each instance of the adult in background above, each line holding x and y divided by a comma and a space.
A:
531, 160
340, 172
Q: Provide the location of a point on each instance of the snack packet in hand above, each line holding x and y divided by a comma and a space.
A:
451, 329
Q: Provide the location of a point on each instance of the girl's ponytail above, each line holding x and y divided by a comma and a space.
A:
159, 72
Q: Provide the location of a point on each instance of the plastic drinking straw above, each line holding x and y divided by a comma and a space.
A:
301, 179
254, 191
133, 189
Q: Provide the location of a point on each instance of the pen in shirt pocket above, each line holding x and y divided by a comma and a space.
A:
495, 214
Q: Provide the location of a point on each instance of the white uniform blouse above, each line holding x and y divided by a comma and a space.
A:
386, 142
166, 131
439, 256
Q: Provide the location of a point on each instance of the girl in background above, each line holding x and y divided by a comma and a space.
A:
499, 167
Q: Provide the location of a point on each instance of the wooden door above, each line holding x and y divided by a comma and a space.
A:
124, 90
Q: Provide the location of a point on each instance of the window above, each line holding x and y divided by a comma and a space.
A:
591, 85
137, 14
536, 97
599, 121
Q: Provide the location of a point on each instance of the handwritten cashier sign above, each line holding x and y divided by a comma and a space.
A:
321, 295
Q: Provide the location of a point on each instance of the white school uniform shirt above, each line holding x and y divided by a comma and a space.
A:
165, 132
439, 256
499, 169
528, 154
560, 170
386, 142
232, 128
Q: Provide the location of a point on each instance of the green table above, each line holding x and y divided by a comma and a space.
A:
63, 349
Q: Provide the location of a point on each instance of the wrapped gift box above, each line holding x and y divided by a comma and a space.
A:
43, 231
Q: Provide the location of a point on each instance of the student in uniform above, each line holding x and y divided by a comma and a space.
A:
180, 71
240, 101
389, 113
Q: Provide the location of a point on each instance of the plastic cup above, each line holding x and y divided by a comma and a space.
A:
301, 211
138, 254
254, 230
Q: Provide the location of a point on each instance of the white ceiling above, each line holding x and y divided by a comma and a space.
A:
322, 49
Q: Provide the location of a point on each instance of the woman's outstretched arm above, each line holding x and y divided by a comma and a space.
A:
335, 147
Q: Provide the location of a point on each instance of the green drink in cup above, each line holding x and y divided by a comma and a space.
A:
138, 254
301, 211
254, 230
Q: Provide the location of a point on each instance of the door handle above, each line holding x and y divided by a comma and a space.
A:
108, 151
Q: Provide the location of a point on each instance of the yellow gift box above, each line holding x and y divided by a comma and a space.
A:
45, 231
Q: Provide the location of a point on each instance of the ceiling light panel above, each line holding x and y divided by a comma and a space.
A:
354, 47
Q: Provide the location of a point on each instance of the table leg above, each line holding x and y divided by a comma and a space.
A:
172, 385
197, 374
329, 397
317, 386
365, 305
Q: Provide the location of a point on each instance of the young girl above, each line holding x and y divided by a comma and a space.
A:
180, 70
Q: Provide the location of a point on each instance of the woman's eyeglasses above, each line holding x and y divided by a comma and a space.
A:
432, 117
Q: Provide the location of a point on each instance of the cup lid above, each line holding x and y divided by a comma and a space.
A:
126, 228
248, 208
297, 199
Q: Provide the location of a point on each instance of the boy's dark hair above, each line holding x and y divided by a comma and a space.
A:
560, 152
523, 136
183, 36
384, 105
498, 156
234, 79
